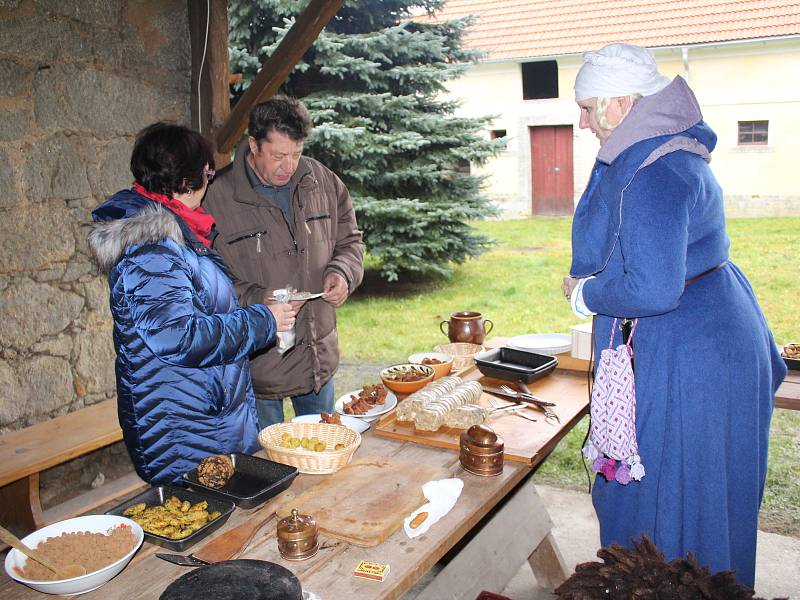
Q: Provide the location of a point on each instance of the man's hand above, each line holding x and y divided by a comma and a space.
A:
284, 315
334, 289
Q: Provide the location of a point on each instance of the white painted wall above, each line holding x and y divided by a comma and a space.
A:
733, 82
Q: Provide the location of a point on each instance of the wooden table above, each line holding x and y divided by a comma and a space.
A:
497, 523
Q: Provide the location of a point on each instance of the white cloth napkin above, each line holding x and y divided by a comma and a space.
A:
442, 495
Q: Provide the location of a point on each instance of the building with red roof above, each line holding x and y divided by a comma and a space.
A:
741, 57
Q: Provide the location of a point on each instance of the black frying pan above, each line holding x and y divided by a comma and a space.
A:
236, 580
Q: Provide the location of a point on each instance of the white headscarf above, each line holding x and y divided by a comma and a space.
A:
619, 70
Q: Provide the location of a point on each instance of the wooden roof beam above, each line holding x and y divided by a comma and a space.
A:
276, 69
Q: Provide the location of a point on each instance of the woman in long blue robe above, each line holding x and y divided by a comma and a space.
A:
649, 242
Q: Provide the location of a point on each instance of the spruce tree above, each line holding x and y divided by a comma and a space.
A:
372, 82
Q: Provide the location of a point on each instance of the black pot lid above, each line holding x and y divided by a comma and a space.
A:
236, 580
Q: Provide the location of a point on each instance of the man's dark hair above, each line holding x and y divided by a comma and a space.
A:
643, 573
168, 158
283, 114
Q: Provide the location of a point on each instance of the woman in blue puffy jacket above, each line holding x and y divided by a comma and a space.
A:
182, 340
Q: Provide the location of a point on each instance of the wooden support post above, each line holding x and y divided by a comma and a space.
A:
518, 531
20, 508
548, 564
210, 104
276, 68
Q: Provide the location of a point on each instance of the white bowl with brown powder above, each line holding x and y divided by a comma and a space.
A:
102, 544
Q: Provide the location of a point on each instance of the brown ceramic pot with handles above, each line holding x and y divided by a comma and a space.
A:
466, 326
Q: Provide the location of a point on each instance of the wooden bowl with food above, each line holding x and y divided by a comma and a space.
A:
442, 363
407, 378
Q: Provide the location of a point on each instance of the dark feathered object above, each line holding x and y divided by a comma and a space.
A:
642, 573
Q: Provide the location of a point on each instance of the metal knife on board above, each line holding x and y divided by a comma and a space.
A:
180, 559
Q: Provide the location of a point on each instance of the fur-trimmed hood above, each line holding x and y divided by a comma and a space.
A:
128, 219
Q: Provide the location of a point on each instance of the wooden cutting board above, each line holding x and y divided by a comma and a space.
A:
366, 501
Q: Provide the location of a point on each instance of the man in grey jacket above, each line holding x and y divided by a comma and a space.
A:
284, 219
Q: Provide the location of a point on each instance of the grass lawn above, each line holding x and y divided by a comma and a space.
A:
517, 286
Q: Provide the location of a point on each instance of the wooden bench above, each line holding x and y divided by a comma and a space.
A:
27, 452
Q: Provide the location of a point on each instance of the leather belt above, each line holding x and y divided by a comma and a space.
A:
704, 273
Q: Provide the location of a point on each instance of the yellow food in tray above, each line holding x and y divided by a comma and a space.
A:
174, 519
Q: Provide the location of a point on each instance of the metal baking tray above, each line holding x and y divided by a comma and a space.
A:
515, 365
157, 495
255, 480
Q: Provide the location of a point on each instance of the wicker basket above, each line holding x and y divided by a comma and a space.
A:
463, 353
309, 461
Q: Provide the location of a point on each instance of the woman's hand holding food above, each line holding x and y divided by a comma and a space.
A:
284, 315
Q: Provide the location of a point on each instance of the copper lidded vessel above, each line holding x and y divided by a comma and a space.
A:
481, 451
298, 536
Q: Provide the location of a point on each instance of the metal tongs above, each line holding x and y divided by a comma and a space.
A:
527, 398
507, 392
514, 408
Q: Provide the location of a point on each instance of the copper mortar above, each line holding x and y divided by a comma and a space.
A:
481, 451
298, 536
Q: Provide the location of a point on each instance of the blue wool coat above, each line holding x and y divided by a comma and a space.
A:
183, 381
707, 367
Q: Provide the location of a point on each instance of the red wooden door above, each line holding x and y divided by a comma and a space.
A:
551, 170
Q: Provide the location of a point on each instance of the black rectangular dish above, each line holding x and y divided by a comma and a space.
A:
255, 480
157, 495
792, 363
515, 365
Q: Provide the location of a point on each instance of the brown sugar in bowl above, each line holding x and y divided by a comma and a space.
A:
15, 560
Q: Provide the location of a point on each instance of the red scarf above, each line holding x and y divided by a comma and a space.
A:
198, 220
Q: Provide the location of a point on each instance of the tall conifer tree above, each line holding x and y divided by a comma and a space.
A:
372, 82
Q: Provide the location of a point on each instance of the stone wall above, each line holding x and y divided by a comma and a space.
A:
78, 79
